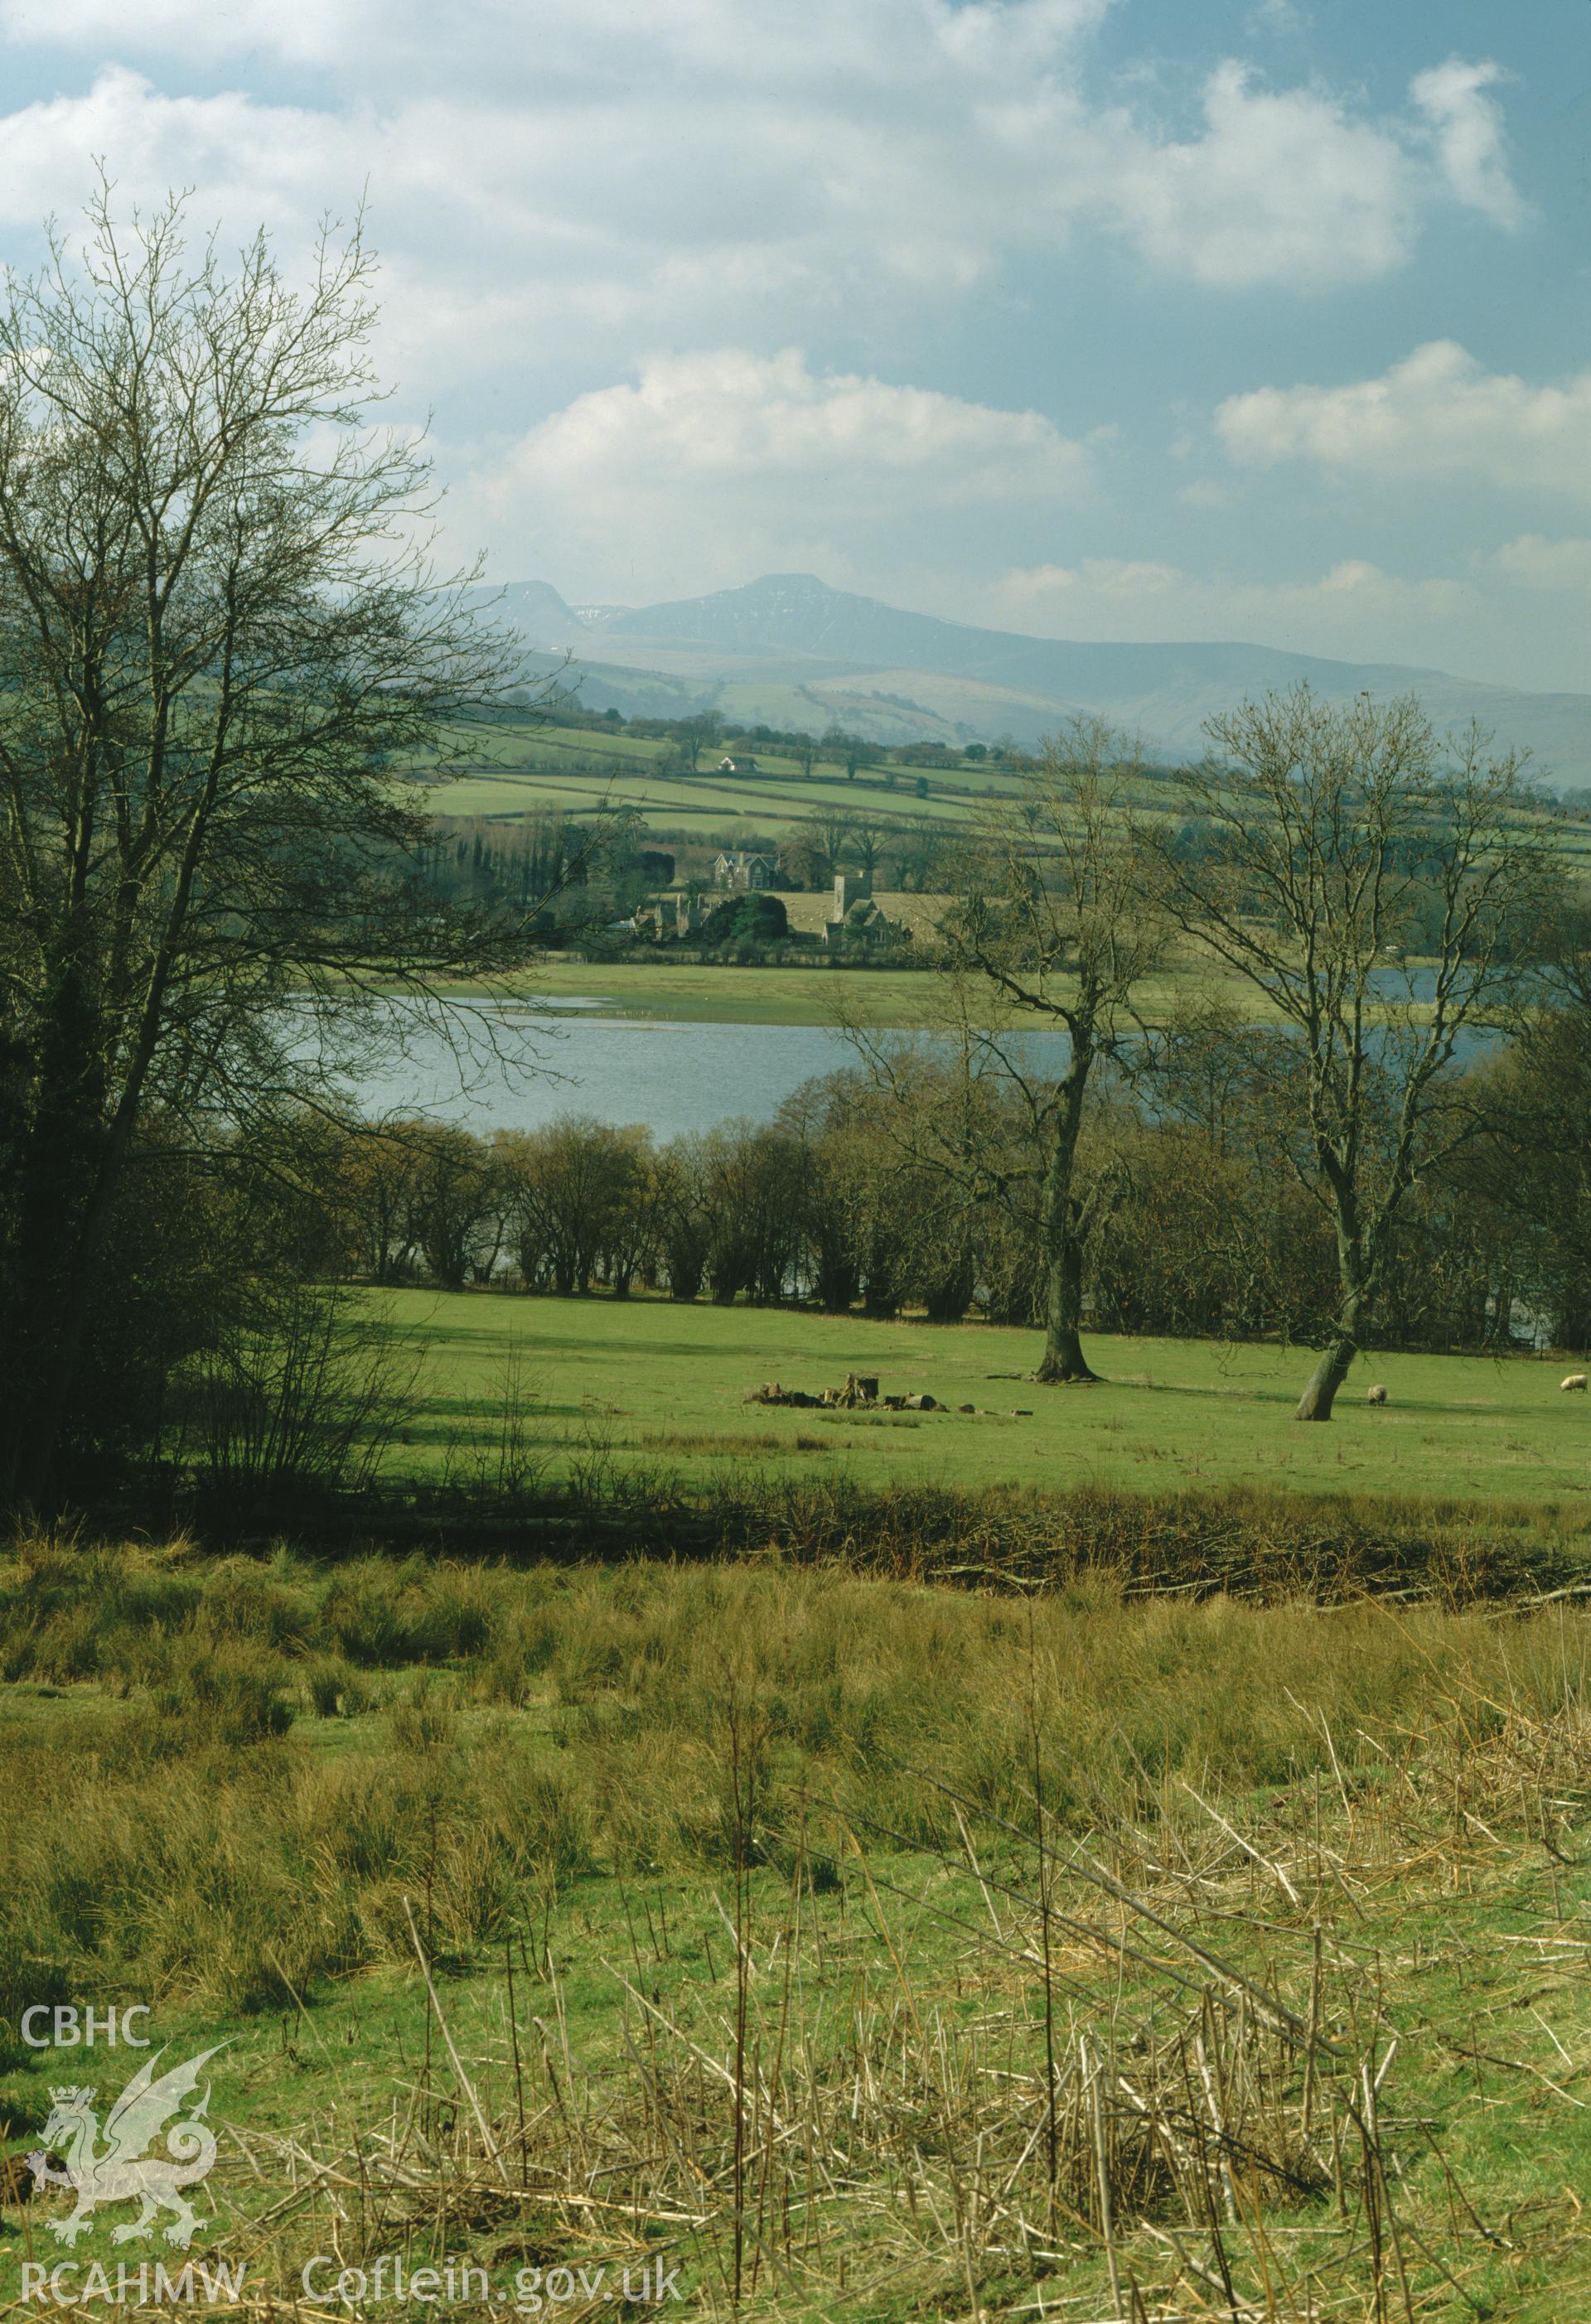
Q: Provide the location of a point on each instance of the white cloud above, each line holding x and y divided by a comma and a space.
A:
1515, 616
1282, 187
1537, 563
1435, 414
622, 43
1209, 493
1283, 19
993, 33
717, 464
600, 175
254, 164
1355, 609
1468, 129
1115, 577
730, 415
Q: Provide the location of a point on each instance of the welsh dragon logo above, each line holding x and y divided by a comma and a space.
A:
119, 2171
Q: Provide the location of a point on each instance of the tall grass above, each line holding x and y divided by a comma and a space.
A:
505, 1724
1071, 1931
1253, 1541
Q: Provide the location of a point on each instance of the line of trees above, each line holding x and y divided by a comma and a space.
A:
1203, 1225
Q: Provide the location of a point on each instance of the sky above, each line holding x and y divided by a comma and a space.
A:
1094, 319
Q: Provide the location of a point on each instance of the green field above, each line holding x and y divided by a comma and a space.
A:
646, 983
693, 802
844, 1945
518, 771
698, 994
661, 1386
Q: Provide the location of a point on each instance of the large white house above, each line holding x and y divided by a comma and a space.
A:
740, 869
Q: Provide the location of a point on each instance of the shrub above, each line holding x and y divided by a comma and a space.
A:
753, 920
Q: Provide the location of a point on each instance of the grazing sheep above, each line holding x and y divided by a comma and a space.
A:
1377, 1395
1574, 1380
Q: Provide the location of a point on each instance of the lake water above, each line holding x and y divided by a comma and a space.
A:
521, 1066
525, 1067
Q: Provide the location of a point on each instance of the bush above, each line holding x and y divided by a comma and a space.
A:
753, 920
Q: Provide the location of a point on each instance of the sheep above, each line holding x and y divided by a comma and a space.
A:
1377, 1395
1574, 1380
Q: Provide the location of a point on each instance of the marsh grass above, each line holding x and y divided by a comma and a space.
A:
1252, 1542
880, 1950
600, 1693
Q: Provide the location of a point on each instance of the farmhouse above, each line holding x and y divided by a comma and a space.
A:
738, 763
738, 870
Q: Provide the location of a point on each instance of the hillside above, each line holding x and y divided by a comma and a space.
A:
790, 650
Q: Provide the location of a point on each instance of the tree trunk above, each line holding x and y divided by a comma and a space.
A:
1064, 1361
48, 1278
1059, 1227
1328, 1377
1573, 1332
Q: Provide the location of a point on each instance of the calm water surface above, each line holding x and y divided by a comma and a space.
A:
524, 1065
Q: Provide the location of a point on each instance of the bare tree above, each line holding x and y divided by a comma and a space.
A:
698, 733
1058, 922
579, 1193
866, 842
850, 749
918, 846
819, 849
221, 649
1335, 849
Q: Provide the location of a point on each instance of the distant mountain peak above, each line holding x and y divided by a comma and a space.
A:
790, 648
776, 610
534, 608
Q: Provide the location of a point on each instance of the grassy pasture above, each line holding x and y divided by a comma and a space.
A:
675, 1846
514, 770
804, 990
695, 801
700, 992
660, 1385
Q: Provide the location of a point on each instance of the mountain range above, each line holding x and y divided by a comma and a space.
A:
788, 651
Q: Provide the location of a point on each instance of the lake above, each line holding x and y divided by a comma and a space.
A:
526, 1065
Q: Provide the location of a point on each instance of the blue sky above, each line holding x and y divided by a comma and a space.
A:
1092, 318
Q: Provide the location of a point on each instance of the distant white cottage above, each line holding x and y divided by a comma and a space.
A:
734, 764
